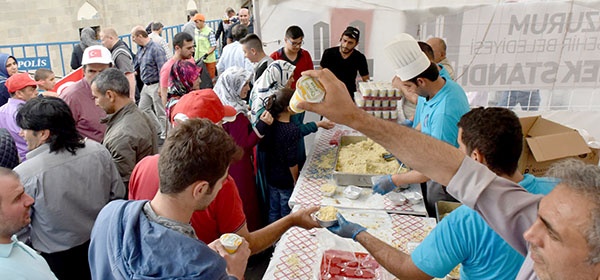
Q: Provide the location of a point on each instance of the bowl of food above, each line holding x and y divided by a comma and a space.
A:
326, 216
328, 189
352, 192
414, 197
396, 198
231, 242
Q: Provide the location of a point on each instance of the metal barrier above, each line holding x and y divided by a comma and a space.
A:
57, 55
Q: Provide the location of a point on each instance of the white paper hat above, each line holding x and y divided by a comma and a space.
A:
96, 54
408, 59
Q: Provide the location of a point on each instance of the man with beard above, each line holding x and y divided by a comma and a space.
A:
183, 43
344, 61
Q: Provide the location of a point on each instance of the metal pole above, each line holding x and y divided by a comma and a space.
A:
255, 12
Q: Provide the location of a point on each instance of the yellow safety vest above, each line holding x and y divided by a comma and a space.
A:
203, 45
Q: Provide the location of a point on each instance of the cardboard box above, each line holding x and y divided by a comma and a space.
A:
546, 142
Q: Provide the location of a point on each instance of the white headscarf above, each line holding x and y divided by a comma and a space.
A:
274, 78
230, 84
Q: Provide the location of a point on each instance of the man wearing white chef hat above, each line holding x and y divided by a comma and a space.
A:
558, 232
440, 105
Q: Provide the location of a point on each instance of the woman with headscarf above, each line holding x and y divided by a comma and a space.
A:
183, 78
279, 74
8, 67
231, 87
88, 38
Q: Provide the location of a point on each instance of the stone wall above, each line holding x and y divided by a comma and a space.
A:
37, 21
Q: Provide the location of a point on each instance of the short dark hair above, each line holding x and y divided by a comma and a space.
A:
42, 74
196, 149
239, 31
431, 73
140, 32
294, 32
51, 113
426, 48
112, 79
252, 41
155, 26
496, 133
180, 38
278, 102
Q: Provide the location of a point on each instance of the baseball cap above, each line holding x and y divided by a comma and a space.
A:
96, 54
352, 32
407, 57
203, 103
199, 17
19, 81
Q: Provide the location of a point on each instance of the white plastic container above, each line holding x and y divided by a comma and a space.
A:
307, 89
352, 192
386, 115
231, 242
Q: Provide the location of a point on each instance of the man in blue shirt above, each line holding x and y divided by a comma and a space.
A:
493, 137
150, 59
440, 105
154, 239
17, 260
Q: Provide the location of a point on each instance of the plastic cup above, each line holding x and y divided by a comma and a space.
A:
231, 242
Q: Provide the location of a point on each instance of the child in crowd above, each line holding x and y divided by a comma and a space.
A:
46, 81
280, 147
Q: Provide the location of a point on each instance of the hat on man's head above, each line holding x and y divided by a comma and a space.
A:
352, 32
96, 54
19, 81
408, 59
199, 16
203, 103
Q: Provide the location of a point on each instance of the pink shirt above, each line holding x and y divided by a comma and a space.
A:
85, 112
165, 72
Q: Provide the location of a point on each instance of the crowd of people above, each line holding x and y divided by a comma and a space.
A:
165, 149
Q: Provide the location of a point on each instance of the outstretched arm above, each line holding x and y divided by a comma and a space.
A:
263, 238
435, 159
394, 260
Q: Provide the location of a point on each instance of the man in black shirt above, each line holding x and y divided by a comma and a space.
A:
344, 61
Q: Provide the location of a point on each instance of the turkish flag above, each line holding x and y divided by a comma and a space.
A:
68, 80
95, 53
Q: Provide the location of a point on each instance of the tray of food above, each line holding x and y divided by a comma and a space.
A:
337, 264
359, 158
443, 208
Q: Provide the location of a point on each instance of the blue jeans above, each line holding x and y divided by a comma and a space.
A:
278, 203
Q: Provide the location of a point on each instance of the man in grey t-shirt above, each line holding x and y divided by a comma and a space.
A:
70, 178
559, 232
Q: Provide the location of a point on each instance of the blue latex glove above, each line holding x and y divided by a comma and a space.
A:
384, 185
346, 229
408, 123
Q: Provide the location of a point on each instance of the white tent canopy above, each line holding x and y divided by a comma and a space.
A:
553, 46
